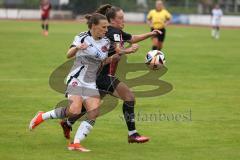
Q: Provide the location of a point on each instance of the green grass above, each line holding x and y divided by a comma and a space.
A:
204, 73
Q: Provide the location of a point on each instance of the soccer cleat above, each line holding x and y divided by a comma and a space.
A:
137, 138
66, 129
77, 147
36, 120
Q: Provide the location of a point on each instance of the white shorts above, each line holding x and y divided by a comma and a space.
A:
216, 22
83, 97
83, 89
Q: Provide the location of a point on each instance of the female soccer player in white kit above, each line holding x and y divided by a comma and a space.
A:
216, 20
91, 51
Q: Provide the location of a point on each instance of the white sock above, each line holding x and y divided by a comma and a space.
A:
213, 32
132, 132
82, 132
217, 35
50, 114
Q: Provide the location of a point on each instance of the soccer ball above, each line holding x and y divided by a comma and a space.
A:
155, 59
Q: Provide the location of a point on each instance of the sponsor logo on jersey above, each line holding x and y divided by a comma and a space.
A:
117, 37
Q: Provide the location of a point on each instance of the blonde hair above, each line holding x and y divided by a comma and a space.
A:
159, 1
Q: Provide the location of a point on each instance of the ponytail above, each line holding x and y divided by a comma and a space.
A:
94, 19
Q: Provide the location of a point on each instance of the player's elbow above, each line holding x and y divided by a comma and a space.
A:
68, 55
133, 39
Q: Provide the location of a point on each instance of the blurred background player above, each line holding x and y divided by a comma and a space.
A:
216, 20
45, 8
158, 19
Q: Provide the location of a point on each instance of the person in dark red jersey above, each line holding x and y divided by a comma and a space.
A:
45, 8
107, 82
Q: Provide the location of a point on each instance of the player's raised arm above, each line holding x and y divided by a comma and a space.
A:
141, 37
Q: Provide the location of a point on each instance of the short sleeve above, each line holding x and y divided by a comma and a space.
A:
126, 36
168, 15
149, 16
117, 35
77, 40
113, 36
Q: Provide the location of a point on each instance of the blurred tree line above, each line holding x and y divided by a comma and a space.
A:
83, 6
181, 6
88, 6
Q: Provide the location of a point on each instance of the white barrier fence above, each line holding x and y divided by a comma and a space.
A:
129, 17
233, 21
32, 14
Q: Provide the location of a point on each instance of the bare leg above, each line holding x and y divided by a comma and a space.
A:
92, 106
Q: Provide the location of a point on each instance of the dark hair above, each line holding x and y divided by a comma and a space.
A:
108, 10
94, 19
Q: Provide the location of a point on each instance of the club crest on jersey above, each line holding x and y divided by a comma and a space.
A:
74, 83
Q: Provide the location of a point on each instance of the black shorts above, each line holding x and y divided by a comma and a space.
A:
161, 37
44, 18
106, 84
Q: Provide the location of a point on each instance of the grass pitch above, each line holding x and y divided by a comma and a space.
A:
204, 73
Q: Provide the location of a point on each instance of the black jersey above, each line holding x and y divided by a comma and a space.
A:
116, 36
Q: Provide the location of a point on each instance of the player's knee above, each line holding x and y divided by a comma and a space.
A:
75, 108
129, 103
129, 96
93, 114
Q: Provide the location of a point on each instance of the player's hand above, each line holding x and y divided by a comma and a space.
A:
82, 46
134, 48
156, 32
167, 23
150, 24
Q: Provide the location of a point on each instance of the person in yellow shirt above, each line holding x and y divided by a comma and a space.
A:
158, 19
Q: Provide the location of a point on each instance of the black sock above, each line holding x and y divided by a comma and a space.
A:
71, 120
46, 27
43, 26
92, 122
128, 112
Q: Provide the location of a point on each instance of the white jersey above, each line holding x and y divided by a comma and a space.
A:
216, 16
87, 62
